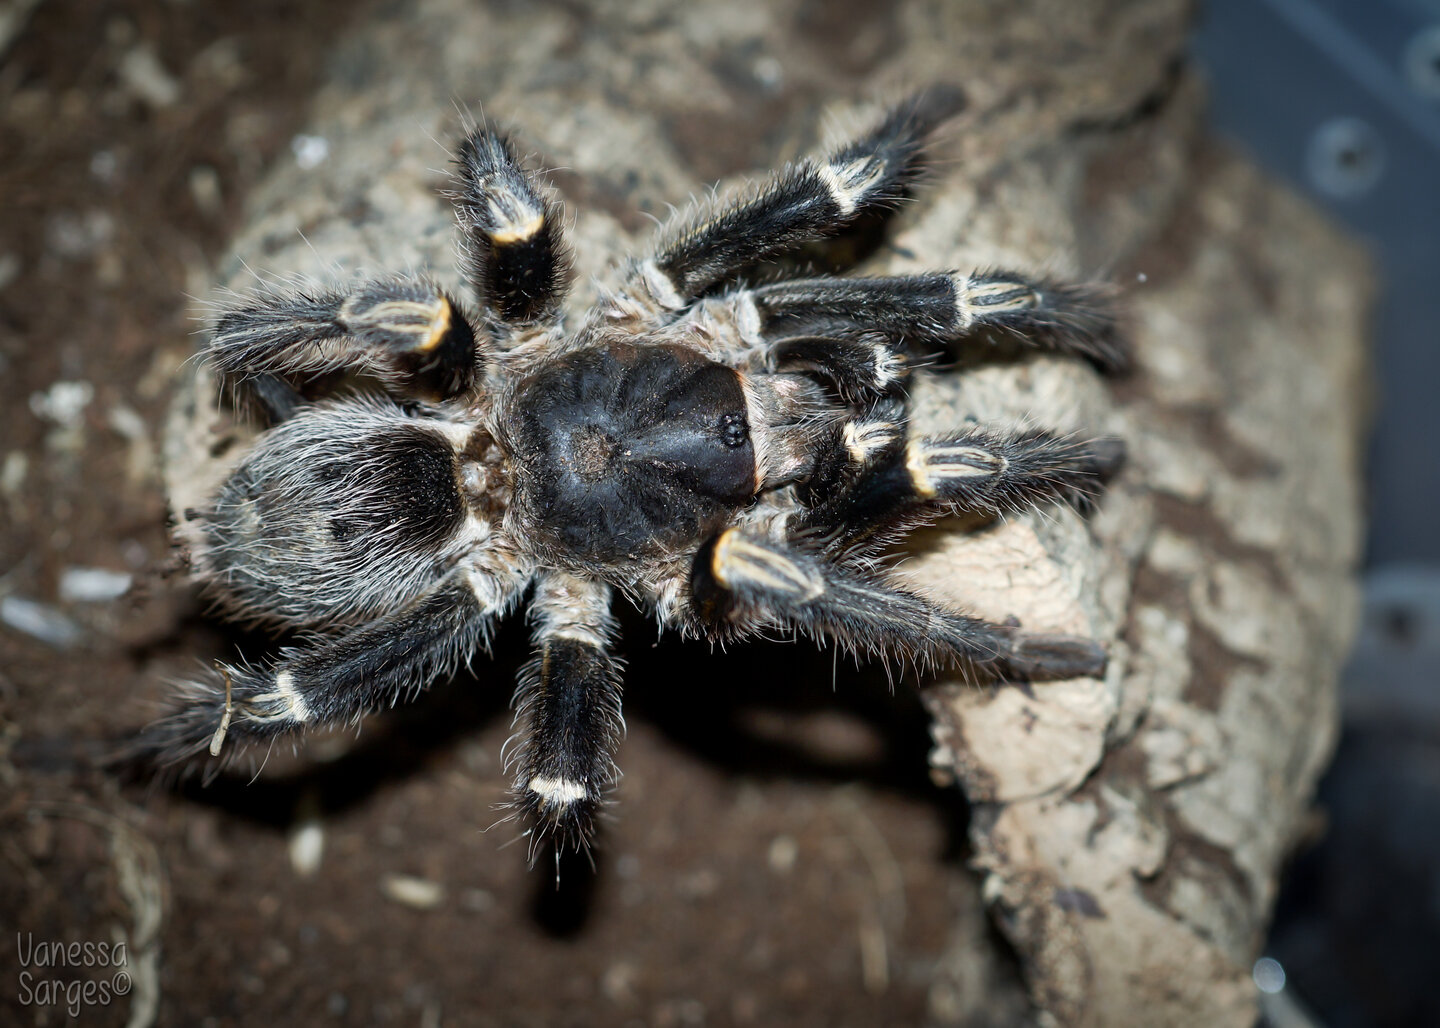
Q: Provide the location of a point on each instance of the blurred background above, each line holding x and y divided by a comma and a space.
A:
1342, 99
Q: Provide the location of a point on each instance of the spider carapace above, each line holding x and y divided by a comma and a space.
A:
733, 458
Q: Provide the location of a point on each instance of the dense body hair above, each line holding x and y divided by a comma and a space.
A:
732, 458
339, 515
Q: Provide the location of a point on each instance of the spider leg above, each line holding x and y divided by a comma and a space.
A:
568, 707
410, 333
876, 482
332, 681
740, 584
940, 309
514, 253
861, 366
807, 201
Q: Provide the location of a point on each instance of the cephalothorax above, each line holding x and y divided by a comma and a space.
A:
731, 458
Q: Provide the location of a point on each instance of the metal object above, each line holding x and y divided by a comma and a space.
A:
1342, 97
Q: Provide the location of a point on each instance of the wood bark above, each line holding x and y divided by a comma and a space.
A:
1129, 831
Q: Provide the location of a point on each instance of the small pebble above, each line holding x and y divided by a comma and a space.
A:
205, 189
93, 585
127, 422
145, 77
784, 851
63, 402
39, 621
420, 893
104, 167
310, 151
13, 471
79, 235
307, 846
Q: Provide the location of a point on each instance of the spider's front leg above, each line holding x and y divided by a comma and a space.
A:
935, 311
568, 709
410, 333
808, 201
337, 680
741, 584
874, 482
514, 252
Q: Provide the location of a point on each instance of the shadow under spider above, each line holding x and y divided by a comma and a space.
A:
731, 709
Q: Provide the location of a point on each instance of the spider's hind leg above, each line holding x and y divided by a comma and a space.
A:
567, 707
742, 584
939, 310
330, 682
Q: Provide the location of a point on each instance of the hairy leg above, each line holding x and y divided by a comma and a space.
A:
942, 309
741, 585
409, 333
567, 712
514, 252
333, 681
807, 201
876, 482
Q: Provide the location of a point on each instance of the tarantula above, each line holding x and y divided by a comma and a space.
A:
733, 458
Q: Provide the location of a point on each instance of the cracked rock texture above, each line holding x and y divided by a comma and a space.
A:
1129, 831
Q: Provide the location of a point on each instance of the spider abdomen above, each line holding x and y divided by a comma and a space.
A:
340, 514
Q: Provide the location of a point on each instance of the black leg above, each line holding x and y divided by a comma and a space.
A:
807, 201
336, 681
860, 368
274, 399
567, 708
890, 484
410, 333
940, 309
741, 584
514, 252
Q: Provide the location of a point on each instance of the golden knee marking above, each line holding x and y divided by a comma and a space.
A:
738, 562
849, 182
975, 300
929, 464
890, 367
919, 473
863, 440
428, 321
518, 232
439, 328
292, 705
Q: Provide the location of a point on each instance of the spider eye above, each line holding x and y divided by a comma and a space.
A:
734, 430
